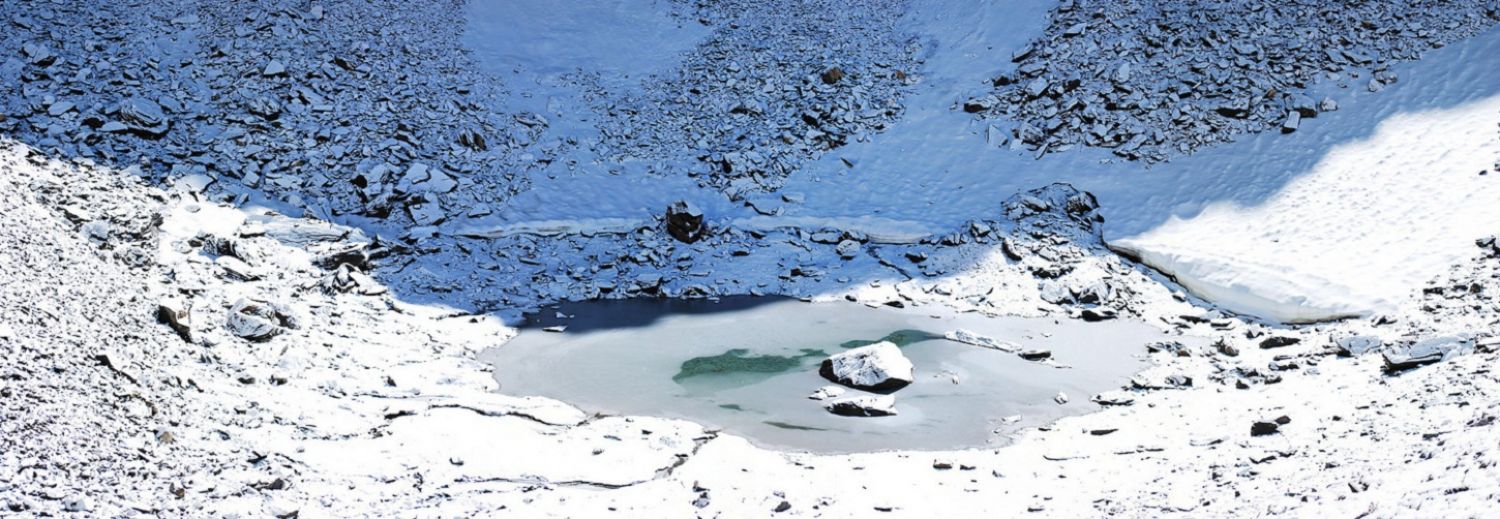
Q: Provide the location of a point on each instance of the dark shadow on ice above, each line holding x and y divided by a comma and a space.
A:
634, 313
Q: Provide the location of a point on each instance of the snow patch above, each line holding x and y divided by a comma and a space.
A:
1368, 225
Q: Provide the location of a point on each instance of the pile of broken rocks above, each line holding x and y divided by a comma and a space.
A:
1150, 79
335, 107
777, 83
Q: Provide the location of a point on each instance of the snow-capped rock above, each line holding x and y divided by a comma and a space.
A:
863, 405
877, 367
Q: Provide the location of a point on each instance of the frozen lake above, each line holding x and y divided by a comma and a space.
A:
747, 365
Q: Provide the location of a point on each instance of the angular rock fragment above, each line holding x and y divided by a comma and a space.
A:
177, 317
685, 222
968, 337
1291, 123
847, 249
143, 117
1225, 348
827, 392
1356, 345
1278, 341
473, 140
1113, 398
1264, 427
259, 321
1170, 347
1102, 313
1035, 354
877, 367
1428, 351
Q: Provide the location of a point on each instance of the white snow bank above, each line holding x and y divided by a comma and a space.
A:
1368, 225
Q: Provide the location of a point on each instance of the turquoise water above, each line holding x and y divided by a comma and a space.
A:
747, 366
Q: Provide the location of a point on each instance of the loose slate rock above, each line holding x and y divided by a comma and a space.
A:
877, 367
1278, 341
863, 405
1263, 428
1428, 351
259, 321
1098, 314
827, 392
1035, 354
144, 117
1357, 345
685, 222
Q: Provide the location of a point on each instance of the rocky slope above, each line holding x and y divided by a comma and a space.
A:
1151, 79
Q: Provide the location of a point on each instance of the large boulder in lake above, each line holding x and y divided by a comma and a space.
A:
863, 405
877, 367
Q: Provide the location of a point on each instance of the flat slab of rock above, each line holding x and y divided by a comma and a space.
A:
863, 405
968, 337
877, 367
827, 392
1427, 351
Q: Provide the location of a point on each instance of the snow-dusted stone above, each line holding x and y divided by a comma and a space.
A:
863, 405
1302, 105
1292, 122
877, 367
259, 321
1278, 341
1356, 345
847, 249
827, 392
1118, 397
1426, 352
971, 338
1035, 354
429, 212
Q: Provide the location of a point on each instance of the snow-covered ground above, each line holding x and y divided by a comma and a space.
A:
1369, 224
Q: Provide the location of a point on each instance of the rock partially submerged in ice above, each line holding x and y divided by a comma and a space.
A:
968, 337
827, 392
877, 367
863, 405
